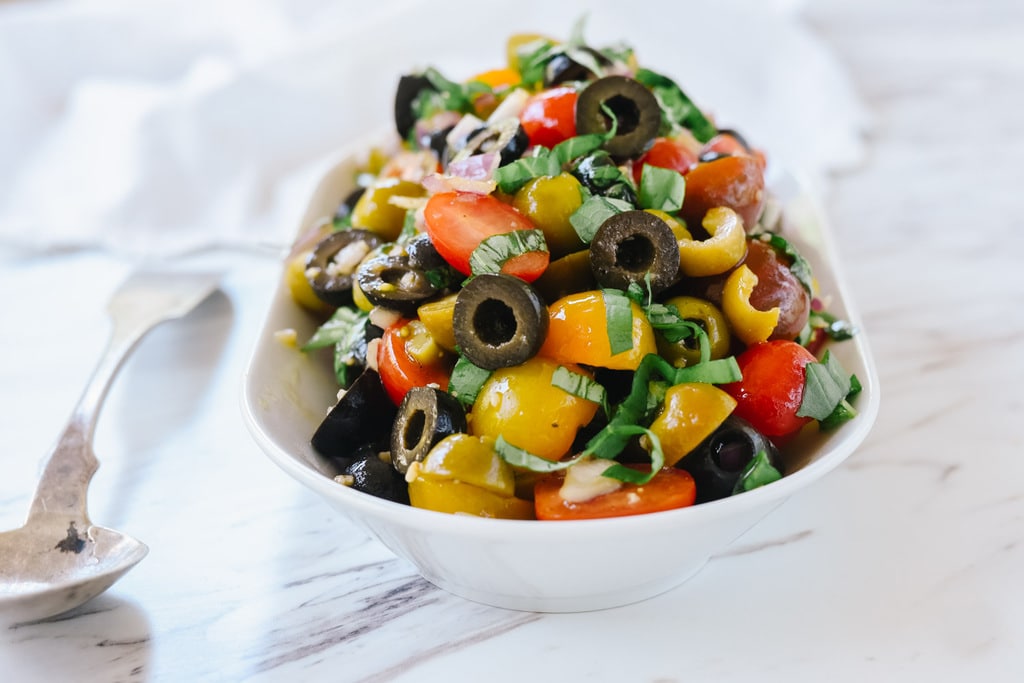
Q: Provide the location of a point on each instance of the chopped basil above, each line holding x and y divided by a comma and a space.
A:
826, 385
576, 147
758, 472
513, 176
661, 189
619, 320
836, 329
533, 58
449, 95
676, 108
720, 371
580, 386
493, 252
518, 457
628, 474
466, 381
340, 327
593, 212
799, 266
408, 227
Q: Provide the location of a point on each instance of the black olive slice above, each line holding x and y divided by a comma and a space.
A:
635, 246
370, 474
634, 107
593, 173
505, 136
346, 206
392, 282
422, 253
717, 462
333, 261
499, 321
426, 416
574, 65
362, 417
409, 88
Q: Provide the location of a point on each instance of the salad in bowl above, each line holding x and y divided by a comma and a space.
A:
559, 293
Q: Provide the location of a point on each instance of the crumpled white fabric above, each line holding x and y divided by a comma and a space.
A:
165, 126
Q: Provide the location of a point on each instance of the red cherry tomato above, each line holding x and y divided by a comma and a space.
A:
666, 153
772, 387
399, 371
727, 144
550, 116
669, 489
736, 182
458, 222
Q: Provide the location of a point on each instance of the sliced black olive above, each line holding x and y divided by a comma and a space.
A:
391, 282
635, 246
574, 65
506, 137
422, 253
409, 88
370, 474
633, 106
717, 463
596, 172
426, 416
349, 363
438, 142
333, 261
499, 321
362, 417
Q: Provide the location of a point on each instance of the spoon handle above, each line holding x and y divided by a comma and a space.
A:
72, 463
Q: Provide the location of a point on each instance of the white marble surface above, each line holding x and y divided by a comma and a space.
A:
905, 564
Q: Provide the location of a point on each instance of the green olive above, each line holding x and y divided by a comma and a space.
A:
711, 320
633, 107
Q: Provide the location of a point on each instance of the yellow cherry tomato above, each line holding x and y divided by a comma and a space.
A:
690, 413
375, 212
521, 405
578, 333
720, 252
548, 201
298, 285
456, 497
748, 323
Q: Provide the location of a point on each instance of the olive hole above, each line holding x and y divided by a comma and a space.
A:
732, 452
635, 254
494, 322
393, 276
414, 429
625, 111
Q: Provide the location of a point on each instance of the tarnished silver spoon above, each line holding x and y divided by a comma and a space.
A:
59, 560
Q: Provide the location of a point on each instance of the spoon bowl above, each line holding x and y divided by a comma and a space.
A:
58, 559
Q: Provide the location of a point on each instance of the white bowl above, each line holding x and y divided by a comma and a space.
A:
529, 565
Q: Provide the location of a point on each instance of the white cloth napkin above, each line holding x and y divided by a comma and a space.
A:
164, 126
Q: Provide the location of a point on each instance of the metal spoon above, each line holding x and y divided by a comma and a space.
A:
59, 560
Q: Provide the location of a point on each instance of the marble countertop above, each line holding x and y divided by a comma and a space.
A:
904, 564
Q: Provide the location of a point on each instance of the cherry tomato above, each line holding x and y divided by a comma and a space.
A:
735, 182
669, 489
777, 286
400, 370
772, 387
666, 153
550, 116
728, 144
458, 222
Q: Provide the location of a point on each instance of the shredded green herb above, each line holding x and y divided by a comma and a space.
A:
619, 320
594, 211
677, 109
826, 386
661, 188
339, 327
495, 251
580, 386
466, 381
798, 265
758, 472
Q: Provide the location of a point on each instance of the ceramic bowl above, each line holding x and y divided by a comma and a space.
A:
530, 565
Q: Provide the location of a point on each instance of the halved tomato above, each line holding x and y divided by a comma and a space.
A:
458, 222
669, 489
400, 371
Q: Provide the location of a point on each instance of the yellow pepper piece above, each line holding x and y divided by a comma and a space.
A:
720, 252
436, 316
471, 460
748, 323
498, 78
690, 413
677, 226
375, 212
456, 497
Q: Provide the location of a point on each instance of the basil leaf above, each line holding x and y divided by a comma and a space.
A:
661, 189
721, 371
466, 381
758, 472
513, 176
580, 386
495, 251
833, 327
576, 147
594, 211
826, 384
619, 320
676, 108
518, 457
339, 327
455, 96
799, 266
533, 58
344, 363
628, 474
843, 413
